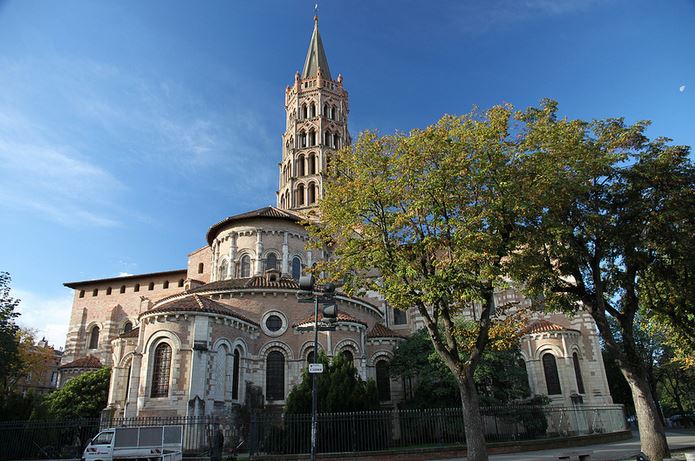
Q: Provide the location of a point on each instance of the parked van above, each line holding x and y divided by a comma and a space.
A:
149, 443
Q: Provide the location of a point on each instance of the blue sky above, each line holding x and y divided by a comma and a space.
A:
127, 128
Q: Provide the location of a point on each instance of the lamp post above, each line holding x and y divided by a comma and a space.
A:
307, 294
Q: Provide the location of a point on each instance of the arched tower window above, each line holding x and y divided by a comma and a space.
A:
245, 269
313, 109
275, 376
296, 268
305, 113
300, 195
333, 112
336, 141
128, 327
300, 166
327, 138
312, 164
347, 353
235, 374
271, 261
552, 378
161, 369
302, 137
312, 193
94, 338
312, 137
223, 271
383, 382
578, 373
325, 110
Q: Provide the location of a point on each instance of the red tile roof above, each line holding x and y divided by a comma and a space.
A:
124, 278
541, 326
88, 361
197, 303
382, 331
267, 212
342, 317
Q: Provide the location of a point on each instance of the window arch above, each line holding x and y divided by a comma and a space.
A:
304, 111
327, 138
245, 269
312, 193
552, 378
578, 373
312, 137
223, 271
333, 112
235, 374
275, 376
313, 109
312, 164
325, 110
128, 327
349, 356
296, 268
300, 195
336, 141
303, 138
271, 261
300, 166
161, 369
220, 373
94, 338
383, 382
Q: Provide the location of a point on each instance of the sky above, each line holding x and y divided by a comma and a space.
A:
128, 128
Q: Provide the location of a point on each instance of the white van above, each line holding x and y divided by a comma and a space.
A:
150, 443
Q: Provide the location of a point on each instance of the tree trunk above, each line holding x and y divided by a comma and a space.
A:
472, 419
651, 430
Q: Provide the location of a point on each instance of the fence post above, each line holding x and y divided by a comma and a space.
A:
253, 431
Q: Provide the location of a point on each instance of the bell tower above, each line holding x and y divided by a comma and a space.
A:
316, 108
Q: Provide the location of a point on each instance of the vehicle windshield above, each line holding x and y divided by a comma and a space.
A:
103, 438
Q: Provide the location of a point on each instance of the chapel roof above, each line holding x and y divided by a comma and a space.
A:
266, 212
257, 281
316, 56
198, 303
382, 331
542, 326
88, 361
342, 317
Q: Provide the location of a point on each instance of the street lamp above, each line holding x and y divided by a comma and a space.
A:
307, 293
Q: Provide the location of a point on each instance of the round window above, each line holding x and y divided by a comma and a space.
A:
273, 323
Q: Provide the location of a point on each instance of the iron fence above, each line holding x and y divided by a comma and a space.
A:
273, 433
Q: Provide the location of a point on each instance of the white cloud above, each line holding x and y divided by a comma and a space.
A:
682, 88
123, 274
49, 316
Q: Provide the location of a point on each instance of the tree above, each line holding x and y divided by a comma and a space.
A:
82, 397
610, 205
31, 362
434, 213
499, 378
10, 361
339, 389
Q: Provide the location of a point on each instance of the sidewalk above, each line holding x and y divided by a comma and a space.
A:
678, 440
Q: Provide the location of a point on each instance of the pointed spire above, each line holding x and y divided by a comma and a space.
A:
316, 57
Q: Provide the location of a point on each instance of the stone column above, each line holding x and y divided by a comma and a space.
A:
133, 403
259, 252
232, 255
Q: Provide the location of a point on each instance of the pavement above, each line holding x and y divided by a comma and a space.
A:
679, 441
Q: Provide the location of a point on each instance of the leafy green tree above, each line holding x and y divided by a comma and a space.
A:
610, 204
434, 214
10, 360
82, 397
499, 378
340, 389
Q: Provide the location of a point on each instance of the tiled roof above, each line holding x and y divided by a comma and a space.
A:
197, 303
342, 317
134, 333
541, 326
267, 212
258, 281
382, 331
124, 278
88, 361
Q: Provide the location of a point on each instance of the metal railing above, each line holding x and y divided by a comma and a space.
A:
273, 433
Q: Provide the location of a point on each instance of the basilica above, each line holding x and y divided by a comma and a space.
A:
194, 341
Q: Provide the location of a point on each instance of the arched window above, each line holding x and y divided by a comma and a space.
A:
327, 138
223, 271
312, 164
325, 110
201, 266
312, 137
275, 376
300, 165
282, 201
313, 109
383, 382
296, 268
552, 378
302, 137
310, 357
333, 112
578, 373
160, 371
347, 353
336, 141
311, 194
245, 270
94, 338
304, 111
271, 261
220, 373
128, 327
235, 374
300, 195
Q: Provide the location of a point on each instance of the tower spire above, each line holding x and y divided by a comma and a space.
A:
316, 56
